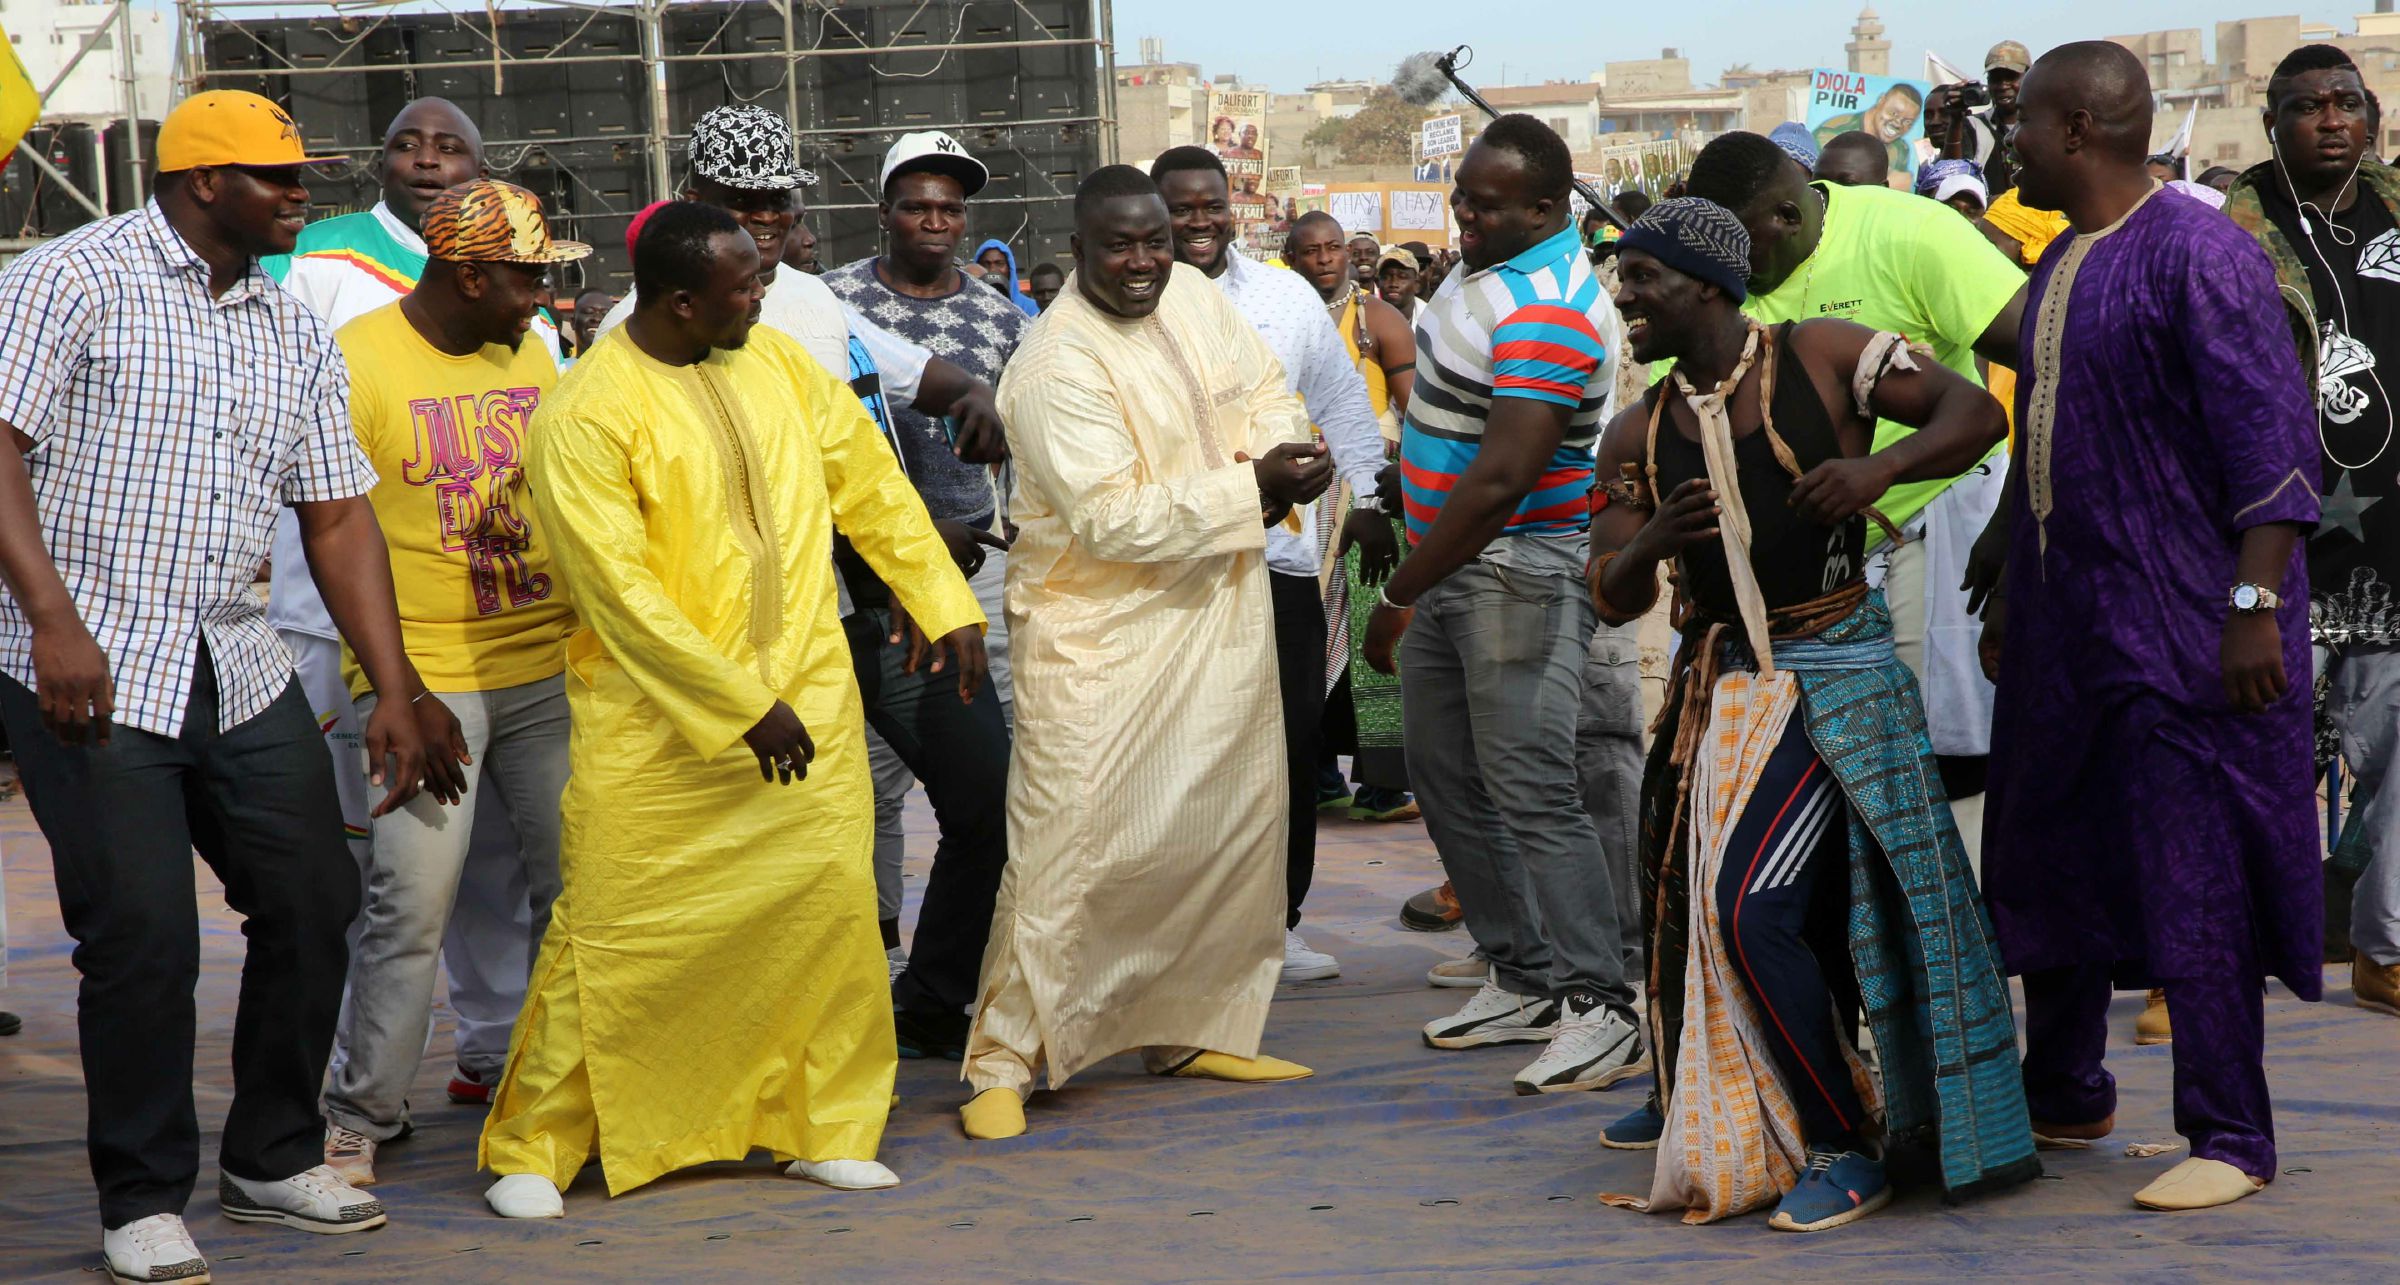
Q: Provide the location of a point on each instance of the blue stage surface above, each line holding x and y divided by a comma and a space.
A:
1396, 1160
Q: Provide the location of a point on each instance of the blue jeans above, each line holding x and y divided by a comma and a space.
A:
1492, 691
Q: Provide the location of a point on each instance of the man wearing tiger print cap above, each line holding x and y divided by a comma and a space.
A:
443, 386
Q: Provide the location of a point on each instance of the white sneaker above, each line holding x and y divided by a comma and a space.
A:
1595, 1047
1474, 970
157, 1248
312, 1200
1300, 964
525, 1195
1494, 1016
895, 959
350, 1155
844, 1175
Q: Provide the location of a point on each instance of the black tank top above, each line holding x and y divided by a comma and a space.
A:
1795, 559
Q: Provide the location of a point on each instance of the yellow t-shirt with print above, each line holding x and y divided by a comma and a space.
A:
479, 607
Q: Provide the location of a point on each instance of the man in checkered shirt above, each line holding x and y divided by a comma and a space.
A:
165, 400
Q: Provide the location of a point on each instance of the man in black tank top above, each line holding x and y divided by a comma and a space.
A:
1793, 756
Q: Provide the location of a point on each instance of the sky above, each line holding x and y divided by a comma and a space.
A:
1286, 44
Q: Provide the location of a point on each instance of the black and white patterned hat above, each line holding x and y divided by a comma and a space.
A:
746, 147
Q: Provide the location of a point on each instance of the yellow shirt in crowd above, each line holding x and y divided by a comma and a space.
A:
479, 607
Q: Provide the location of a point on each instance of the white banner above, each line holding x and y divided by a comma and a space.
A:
1441, 136
1418, 211
1357, 212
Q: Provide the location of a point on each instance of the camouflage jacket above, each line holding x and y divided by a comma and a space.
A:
2245, 206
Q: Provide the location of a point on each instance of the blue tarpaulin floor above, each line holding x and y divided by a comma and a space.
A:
1396, 1160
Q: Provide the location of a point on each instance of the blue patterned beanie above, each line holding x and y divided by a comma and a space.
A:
1697, 238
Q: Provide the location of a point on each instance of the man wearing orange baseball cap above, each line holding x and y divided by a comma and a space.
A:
179, 400
443, 390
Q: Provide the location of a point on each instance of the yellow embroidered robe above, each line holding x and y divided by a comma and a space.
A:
712, 980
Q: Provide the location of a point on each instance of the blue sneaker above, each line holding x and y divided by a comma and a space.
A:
1837, 1187
1638, 1131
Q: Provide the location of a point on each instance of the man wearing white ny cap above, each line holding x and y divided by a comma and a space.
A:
960, 751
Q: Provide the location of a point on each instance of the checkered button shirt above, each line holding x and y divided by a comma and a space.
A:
169, 428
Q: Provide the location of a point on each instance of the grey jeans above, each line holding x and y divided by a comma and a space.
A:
2365, 703
1492, 695
517, 737
1608, 759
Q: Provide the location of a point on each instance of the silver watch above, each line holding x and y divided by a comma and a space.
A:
1371, 502
2252, 599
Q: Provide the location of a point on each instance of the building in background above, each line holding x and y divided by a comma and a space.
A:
1870, 54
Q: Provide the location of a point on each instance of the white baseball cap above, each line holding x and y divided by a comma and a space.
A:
934, 152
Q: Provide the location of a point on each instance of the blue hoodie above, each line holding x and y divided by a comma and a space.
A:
1016, 295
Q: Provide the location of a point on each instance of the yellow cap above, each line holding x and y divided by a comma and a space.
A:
230, 127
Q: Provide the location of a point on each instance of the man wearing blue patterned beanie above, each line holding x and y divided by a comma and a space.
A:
1792, 807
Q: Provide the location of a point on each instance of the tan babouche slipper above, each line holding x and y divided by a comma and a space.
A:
2198, 1183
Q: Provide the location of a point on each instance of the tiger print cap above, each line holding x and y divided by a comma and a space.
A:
488, 221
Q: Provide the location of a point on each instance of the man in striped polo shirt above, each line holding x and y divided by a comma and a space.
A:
1515, 362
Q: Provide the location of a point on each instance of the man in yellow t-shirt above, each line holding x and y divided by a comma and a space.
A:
443, 389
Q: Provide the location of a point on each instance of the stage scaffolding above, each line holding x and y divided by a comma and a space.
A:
591, 104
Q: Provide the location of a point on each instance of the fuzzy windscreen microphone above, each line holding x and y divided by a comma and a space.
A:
1418, 81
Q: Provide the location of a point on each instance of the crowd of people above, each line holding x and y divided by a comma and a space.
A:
1122, 560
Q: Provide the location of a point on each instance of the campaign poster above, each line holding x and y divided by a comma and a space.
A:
1890, 109
1237, 134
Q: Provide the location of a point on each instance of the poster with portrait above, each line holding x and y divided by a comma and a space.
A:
1892, 110
1237, 128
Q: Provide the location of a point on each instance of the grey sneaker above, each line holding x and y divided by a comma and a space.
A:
1494, 1016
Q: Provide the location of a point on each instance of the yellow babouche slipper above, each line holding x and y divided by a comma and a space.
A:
993, 1114
1241, 1070
2153, 1027
2197, 1183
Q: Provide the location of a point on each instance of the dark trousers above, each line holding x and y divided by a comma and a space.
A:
1780, 895
2221, 1102
960, 751
1300, 668
122, 821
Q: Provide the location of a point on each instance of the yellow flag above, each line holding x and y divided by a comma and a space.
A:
20, 102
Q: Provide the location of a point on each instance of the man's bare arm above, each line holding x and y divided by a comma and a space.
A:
71, 678
412, 738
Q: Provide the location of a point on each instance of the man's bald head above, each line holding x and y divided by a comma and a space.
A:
430, 145
2083, 125
2105, 80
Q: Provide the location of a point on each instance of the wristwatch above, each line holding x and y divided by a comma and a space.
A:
2253, 599
1371, 502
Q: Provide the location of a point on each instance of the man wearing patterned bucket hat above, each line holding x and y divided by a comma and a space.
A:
444, 384
161, 401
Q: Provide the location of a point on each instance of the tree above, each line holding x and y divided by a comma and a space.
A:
1383, 131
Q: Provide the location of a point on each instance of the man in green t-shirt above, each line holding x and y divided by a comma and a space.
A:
1893, 261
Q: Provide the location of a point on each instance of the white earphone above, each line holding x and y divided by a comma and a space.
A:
2344, 237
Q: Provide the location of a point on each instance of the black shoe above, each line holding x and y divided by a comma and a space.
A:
935, 1034
10, 1023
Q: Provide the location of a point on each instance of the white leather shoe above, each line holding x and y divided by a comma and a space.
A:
525, 1195
847, 1175
157, 1248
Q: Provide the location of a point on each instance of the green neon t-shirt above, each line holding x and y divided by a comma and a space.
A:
1894, 261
